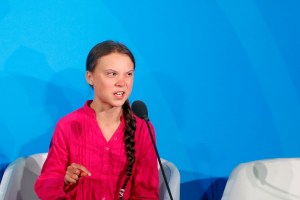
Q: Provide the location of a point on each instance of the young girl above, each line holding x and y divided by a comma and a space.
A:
102, 150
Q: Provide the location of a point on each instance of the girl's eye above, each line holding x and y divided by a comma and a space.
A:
111, 74
130, 73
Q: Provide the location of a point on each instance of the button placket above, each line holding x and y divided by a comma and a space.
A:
106, 159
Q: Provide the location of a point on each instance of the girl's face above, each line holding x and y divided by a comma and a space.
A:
112, 79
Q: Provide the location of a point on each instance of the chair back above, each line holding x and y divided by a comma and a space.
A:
272, 179
173, 178
19, 177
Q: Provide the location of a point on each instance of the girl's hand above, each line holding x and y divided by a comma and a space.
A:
74, 173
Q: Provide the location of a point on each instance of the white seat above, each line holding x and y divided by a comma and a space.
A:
19, 178
173, 178
272, 179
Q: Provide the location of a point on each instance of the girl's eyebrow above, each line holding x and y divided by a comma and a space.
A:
112, 70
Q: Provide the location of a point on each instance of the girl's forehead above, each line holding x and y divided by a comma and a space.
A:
116, 61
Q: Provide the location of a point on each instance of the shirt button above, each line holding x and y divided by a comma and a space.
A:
115, 138
106, 148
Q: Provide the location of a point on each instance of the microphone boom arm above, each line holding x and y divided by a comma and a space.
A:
158, 157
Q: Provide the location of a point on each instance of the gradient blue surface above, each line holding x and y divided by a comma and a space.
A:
220, 78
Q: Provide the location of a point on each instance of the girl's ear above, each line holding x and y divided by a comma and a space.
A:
89, 78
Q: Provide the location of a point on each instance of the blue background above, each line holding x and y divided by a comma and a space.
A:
220, 78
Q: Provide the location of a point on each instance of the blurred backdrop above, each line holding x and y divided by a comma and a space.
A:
220, 78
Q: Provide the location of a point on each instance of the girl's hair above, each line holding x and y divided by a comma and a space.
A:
103, 49
129, 143
98, 51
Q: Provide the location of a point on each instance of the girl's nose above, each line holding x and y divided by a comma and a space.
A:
120, 82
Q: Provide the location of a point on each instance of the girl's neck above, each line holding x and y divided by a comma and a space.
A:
106, 113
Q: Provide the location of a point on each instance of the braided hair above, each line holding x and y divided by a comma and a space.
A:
98, 51
129, 143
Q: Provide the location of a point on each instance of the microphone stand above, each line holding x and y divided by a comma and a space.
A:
158, 157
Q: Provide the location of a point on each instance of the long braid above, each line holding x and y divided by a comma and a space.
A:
129, 144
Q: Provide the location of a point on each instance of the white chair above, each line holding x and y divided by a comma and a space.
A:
272, 179
19, 178
173, 178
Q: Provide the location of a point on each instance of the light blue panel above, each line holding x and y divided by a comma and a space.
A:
220, 78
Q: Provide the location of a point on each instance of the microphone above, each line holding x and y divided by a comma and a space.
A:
139, 108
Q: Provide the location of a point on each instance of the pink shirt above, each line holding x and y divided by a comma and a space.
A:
77, 138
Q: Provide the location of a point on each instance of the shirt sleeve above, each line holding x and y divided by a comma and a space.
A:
145, 176
50, 183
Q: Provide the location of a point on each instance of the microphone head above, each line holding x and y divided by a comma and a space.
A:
139, 108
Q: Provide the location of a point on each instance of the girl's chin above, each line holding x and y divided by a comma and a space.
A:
118, 103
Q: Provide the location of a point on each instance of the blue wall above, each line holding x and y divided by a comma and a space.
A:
220, 78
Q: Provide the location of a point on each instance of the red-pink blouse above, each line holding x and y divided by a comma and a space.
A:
78, 139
